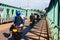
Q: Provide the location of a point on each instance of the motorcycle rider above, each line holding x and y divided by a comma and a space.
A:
32, 18
18, 21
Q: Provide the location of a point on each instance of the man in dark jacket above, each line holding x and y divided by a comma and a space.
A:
32, 17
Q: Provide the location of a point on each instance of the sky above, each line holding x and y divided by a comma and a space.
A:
32, 4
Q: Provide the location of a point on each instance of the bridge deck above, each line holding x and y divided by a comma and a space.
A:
39, 32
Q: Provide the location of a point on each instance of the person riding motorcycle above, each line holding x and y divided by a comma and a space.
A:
32, 20
18, 22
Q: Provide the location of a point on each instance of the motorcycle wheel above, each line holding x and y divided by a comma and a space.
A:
16, 36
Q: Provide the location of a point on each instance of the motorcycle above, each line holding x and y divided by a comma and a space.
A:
16, 32
31, 24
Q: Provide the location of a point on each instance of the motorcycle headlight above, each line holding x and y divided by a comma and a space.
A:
14, 30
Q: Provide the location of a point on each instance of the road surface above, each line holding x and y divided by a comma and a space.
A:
39, 32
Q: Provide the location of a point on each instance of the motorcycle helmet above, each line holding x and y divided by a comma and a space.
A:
18, 13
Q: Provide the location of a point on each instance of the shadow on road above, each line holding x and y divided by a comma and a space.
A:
24, 32
6, 35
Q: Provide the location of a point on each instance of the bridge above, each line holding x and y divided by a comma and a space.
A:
48, 28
